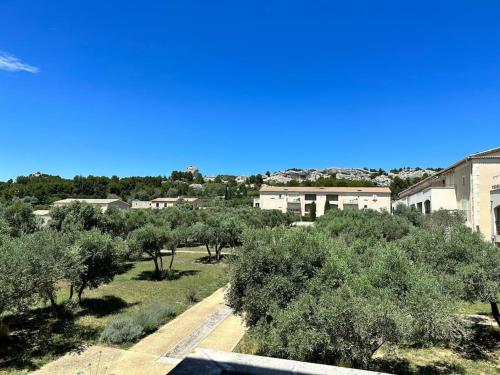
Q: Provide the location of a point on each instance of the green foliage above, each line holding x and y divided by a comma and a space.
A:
359, 280
17, 219
192, 295
312, 211
153, 317
95, 260
75, 217
328, 206
122, 330
149, 239
369, 225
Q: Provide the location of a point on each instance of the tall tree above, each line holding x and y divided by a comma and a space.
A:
150, 239
312, 211
96, 261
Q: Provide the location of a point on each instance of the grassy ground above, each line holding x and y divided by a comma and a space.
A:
38, 338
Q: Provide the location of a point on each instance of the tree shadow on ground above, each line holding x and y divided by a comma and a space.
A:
125, 267
174, 275
205, 260
483, 341
38, 335
402, 366
103, 306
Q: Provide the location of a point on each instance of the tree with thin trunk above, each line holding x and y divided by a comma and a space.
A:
204, 234
95, 260
150, 239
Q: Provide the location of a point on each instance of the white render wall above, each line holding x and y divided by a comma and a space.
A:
440, 198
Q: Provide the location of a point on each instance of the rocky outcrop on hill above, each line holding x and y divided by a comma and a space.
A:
379, 177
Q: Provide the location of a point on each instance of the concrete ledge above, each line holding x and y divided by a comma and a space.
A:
212, 362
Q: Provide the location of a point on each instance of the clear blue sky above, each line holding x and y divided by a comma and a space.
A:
145, 87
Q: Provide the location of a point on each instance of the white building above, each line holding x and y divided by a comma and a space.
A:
193, 170
464, 186
159, 203
141, 204
103, 204
300, 199
44, 216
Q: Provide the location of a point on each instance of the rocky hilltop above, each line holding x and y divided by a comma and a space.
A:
379, 177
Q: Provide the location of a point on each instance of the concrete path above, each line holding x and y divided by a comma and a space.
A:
208, 324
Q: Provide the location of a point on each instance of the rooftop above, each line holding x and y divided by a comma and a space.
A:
88, 200
339, 189
477, 155
175, 199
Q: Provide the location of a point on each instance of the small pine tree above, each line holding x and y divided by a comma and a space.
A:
327, 206
312, 211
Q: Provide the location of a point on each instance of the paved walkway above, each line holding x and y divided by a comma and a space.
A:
208, 324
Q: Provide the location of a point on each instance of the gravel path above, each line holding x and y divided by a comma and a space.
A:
188, 343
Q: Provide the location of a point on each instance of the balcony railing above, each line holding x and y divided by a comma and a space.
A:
498, 227
293, 200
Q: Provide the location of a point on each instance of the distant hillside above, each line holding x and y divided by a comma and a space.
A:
41, 189
378, 177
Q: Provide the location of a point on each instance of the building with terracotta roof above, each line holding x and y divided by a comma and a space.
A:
464, 186
300, 199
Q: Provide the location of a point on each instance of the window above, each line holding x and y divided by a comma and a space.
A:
157, 205
463, 180
365, 206
310, 197
308, 207
332, 197
257, 205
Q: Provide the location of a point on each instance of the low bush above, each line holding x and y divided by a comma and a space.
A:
192, 295
154, 317
122, 330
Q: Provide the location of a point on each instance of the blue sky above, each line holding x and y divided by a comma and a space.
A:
145, 87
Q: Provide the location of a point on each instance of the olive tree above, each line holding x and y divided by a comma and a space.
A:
308, 296
150, 239
95, 259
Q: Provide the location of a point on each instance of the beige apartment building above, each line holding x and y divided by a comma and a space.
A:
159, 203
299, 199
464, 186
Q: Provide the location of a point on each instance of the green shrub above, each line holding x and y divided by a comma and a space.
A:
192, 295
121, 330
154, 317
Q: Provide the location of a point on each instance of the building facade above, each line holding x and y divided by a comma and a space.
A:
464, 186
159, 203
103, 204
140, 204
300, 199
495, 212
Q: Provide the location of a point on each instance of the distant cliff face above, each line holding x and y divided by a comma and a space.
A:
379, 177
